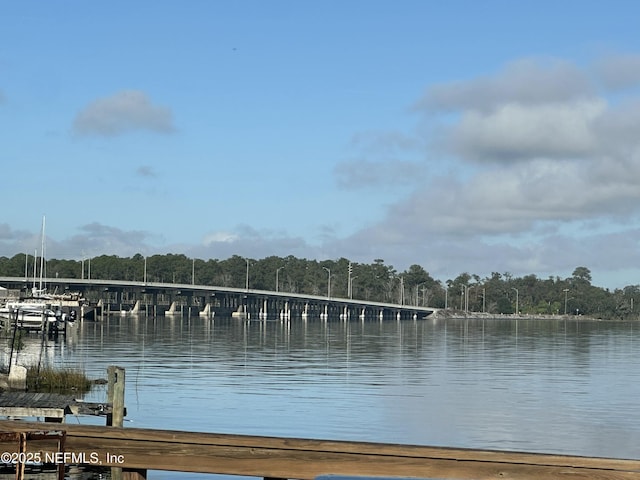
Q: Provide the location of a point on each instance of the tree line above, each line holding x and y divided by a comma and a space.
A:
377, 281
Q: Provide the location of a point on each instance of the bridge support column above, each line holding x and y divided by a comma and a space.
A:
264, 311
305, 312
207, 311
325, 316
241, 312
173, 308
136, 307
363, 314
285, 314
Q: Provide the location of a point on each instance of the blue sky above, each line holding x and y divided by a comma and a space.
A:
462, 136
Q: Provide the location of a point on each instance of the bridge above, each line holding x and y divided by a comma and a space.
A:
154, 298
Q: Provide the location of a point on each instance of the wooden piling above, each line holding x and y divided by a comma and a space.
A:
115, 395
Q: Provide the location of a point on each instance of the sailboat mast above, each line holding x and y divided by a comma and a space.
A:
42, 257
35, 266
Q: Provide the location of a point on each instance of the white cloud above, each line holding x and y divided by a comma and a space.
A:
514, 131
525, 82
619, 71
219, 237
249, 242
123, 112
539, 150
356, 174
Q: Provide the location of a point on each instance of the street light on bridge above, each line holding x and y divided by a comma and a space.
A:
351, 286
247, 280
277, 283
328, 282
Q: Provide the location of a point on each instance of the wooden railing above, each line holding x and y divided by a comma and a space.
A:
136, 450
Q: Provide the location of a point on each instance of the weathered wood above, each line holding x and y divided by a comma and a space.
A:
50, 405
307, 459
134, 474
115, 395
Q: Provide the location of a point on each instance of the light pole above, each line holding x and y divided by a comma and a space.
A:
193, 272
328, 282
484, 299
351, 286
277, 282
144, 277
247, 281
418, 294
517, 300
566, 291
464, 297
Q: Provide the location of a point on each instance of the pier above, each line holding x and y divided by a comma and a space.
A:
153, 299
50, 406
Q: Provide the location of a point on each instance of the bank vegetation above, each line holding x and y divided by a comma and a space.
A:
499, 293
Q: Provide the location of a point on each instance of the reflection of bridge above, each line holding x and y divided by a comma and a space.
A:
172, 298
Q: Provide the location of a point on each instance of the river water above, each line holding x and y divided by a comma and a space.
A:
530, 385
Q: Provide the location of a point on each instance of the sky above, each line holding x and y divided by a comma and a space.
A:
462, 136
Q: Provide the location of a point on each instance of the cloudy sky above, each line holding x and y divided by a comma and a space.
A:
463, 136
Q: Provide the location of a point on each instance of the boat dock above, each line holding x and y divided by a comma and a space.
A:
52, 407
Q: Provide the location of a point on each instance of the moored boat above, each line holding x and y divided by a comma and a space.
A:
48, 313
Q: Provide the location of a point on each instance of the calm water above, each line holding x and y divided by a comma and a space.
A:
534, 385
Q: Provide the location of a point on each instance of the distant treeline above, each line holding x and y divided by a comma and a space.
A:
499, 293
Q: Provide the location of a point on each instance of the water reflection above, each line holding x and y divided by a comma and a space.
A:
535, 385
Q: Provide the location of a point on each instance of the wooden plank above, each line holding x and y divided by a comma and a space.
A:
32, 412
31, 404
307, 459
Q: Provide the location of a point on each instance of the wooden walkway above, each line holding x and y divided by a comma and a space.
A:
47, 405
136, 450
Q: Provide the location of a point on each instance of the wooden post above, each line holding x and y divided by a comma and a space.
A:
115, 395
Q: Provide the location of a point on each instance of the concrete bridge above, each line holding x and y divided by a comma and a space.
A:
153, 298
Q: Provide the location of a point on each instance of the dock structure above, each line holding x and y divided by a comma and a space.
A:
155, 298
136, 450
52, 407
130, 452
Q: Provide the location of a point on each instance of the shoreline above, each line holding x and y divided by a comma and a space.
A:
450, 314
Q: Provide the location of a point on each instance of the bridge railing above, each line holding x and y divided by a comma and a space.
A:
212, 289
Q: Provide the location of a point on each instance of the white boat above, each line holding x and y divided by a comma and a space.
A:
31, 314
48, 312
41, 311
